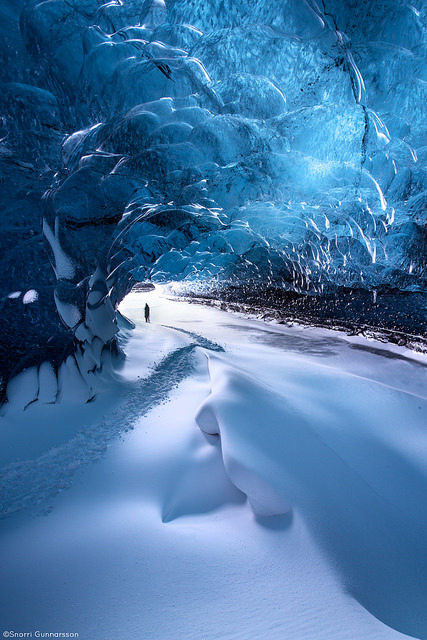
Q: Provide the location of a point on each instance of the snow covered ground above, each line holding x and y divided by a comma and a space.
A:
252, 481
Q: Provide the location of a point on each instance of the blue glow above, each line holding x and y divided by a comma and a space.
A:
270, 143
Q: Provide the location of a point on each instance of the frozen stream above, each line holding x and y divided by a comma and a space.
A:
252, 481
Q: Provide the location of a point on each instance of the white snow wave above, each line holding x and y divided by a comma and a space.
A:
235, 410
337, 447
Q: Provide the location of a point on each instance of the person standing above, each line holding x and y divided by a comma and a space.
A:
147, 313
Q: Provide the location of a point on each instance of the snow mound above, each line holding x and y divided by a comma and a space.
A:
235, 410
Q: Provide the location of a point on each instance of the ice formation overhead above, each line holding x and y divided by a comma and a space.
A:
277, 143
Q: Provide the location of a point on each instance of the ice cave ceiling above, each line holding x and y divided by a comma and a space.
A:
277, 143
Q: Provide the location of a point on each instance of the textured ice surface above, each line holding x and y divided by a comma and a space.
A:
268, 143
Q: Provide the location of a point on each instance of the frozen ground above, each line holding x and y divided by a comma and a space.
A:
252, 481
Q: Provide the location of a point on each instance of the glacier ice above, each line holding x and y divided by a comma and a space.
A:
265, 144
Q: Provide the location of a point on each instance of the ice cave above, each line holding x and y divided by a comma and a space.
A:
247, 460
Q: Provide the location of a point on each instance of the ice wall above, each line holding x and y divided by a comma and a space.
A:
276, 143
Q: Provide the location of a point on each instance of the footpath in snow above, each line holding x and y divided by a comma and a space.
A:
252, 481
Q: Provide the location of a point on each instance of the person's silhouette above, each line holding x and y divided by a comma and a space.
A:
147, 313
